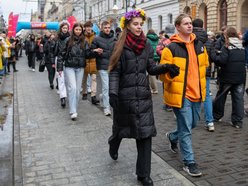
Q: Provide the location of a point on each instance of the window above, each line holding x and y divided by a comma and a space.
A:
160, 23
149, 23
223, 13
170, 18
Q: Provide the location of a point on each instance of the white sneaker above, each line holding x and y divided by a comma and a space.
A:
210, 127
107, 112
74, 116
33, 70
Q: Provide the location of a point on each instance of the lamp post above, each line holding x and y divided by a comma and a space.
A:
115, 10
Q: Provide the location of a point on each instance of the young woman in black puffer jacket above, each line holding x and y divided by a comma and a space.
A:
73, 56
63, 35
232, 77
130, 94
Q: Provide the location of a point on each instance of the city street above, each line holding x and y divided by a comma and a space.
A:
50, 149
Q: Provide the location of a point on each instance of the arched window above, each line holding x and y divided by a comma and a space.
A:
170, 18
203, 14
160, 23
187, 10
149, 23
223, 13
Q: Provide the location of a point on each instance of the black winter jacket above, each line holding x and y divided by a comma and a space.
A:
74, 56
129, 82
50, 50
106, 42
60, 46
30, 46
232, 62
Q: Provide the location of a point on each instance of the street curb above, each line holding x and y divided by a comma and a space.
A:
172, 171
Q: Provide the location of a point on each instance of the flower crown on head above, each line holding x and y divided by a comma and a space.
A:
129, 15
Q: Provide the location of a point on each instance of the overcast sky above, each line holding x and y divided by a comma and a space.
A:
18, 7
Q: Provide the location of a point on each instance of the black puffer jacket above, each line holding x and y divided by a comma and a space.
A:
49, 50
60, 46
232, 62
74, 56
106, 42
129, 82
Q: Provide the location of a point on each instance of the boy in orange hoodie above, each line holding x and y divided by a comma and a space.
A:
185, 92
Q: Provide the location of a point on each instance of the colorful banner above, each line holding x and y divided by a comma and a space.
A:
37, 25
10, 24
13, 19
71, 20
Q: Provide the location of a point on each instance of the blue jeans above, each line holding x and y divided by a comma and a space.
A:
208, 104
187, 118
105, 88
73, 79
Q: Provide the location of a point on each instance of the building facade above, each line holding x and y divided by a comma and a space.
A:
218, 13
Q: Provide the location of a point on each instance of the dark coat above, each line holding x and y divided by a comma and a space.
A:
60, 46
106, 42
232, 62
74, 56
49, 50
129, 82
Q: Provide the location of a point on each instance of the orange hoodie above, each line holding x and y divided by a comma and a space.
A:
193, 80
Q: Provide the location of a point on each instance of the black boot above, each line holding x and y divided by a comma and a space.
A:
84, 97
94, 100
52, 86
14, 67
146, 181
63, 102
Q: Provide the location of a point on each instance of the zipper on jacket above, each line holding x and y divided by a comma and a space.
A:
196, 53
186, 74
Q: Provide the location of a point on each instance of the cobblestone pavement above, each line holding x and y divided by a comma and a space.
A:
53, 150
221, 155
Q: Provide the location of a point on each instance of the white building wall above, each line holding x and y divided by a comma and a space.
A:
153, 8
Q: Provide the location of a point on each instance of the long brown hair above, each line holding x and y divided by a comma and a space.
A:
230, 32
73, 36
117, 50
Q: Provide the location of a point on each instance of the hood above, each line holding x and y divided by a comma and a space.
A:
201, 34
176, 38
152, 37
235, 42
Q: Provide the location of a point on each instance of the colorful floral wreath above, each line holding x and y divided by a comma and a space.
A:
129, 15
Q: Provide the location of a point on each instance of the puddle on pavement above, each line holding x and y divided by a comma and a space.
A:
5, 102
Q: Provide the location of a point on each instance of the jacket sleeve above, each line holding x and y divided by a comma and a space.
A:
88, 51
61, 57
222, 58
166, 58
94, 45
152, 67
114, 78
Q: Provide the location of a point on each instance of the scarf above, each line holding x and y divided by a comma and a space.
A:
136, 43
63, 36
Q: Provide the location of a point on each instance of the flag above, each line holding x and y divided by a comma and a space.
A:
71, 20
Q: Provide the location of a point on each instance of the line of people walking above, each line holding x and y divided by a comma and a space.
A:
129, 64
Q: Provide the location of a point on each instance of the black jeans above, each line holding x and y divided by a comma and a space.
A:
237, 94
143, 164
31, 60
51, 72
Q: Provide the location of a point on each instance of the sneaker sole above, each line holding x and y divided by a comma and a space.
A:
193, 175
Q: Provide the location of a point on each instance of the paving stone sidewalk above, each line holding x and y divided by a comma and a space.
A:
58, 151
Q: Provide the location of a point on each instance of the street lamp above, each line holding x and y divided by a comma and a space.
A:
115, 10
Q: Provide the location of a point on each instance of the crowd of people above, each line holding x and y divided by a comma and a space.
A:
129, 64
